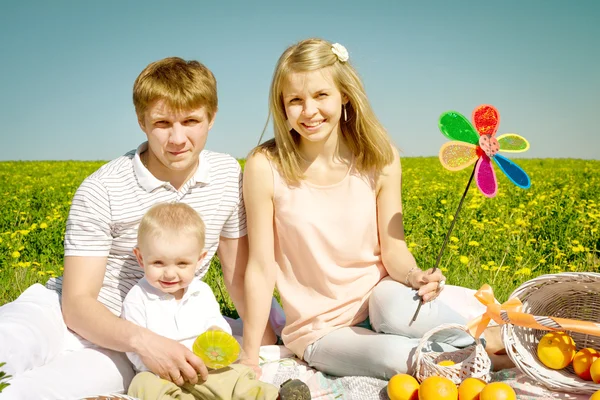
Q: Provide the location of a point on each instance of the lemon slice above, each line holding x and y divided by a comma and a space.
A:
217, 349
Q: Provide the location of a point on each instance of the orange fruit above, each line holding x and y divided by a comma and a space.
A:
556, 350
470, 388
403, 387
595, 395
446, 363
582, 362
438, 388
595, 371
497, 391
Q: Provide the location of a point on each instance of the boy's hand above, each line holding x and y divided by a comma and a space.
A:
215, 328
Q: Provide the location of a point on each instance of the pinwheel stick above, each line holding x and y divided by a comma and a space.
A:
439, 257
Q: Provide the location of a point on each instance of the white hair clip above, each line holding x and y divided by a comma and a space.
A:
340, 51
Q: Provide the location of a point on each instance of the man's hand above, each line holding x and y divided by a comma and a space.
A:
171, 360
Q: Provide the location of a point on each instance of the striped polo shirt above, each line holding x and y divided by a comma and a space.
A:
107, 208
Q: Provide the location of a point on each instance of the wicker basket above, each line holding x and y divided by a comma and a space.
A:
566, 295
471, 361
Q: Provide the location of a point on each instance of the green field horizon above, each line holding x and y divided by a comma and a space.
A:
504, 241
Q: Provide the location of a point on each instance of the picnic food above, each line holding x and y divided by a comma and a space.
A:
438, 388
556, 350
582, 362
595, 371
403, 387
446, 363
470, 388
497, 391
216, 348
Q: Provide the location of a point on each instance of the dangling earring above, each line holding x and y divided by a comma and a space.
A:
345, 113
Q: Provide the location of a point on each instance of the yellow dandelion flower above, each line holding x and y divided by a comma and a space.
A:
473, 243
437, 214
412, 244
485, 267
43, 225
453, 246
443, 201
519, 258
451, 217
453, 239
41, 273
523, 271
15, 254
542, 261
444, 269
464, 259
575, 241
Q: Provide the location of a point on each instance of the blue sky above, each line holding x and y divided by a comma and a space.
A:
67, 68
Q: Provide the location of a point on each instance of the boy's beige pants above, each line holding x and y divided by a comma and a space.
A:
237, 382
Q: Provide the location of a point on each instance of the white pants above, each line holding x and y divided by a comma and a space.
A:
387, 347
46, 360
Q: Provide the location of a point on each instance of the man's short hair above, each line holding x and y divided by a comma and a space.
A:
183, 85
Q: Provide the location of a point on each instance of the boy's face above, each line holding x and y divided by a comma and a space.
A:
176, 138
170, 261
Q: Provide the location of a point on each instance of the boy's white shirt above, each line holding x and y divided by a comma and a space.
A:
182, 321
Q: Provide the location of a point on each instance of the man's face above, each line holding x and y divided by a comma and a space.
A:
175, 139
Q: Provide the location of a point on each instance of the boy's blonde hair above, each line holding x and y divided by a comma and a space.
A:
184, 85
168, 218
362, 132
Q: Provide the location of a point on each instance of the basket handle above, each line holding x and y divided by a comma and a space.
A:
418, 351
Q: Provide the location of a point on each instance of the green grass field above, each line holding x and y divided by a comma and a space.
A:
504, 241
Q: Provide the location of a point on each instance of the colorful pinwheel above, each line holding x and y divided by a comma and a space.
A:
480, 144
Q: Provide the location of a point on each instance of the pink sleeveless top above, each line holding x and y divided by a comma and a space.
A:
327, 250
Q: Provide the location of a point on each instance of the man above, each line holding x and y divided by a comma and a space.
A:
176, 103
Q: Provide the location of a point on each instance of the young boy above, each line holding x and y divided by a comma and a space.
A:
171, 301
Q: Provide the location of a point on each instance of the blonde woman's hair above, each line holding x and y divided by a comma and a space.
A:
182, 84
167, 218
362, 132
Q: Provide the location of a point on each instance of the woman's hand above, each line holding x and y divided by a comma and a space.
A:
252, 364
428, 283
